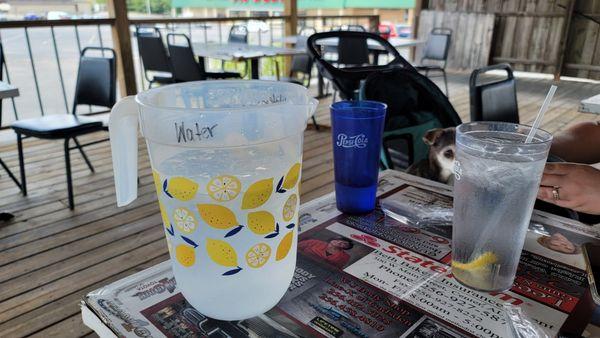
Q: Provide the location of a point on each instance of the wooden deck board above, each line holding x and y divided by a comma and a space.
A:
530, 94
52, 256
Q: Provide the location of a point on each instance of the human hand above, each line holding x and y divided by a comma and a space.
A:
578, 186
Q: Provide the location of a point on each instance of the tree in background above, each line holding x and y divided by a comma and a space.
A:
156, 6
141, 6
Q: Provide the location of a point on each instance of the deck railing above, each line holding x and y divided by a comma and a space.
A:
41, 57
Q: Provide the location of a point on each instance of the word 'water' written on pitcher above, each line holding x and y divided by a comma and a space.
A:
196, 133
356, 141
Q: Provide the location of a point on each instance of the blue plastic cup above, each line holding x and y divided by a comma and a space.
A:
357, 128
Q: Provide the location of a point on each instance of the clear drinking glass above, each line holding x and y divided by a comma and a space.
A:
497, 177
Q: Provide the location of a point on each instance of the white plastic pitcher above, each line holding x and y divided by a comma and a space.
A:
226, 159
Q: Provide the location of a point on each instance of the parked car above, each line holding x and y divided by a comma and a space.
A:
257, 26
57, 15
404, 30
33, 16
390, 30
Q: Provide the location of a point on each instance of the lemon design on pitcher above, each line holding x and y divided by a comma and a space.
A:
224, 188
289, 208
258, 255
263, 223
291, 178
185, 220
257, 194
185, 255
223, 254
219, 217
181, 188
284, 246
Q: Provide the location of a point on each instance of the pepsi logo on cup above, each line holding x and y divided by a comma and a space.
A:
355, 141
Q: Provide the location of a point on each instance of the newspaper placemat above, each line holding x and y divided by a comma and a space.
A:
394, 280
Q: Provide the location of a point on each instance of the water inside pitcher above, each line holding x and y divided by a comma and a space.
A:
226, 160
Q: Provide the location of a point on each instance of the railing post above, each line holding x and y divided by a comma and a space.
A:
374, 23
560, 58
416, 16
117, 9
290, 11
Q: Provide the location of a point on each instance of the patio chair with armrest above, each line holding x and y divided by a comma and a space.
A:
238, 34
184, 65
96, 85
436, 50
494, 100
154, 56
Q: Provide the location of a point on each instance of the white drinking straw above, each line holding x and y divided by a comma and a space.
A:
540, 115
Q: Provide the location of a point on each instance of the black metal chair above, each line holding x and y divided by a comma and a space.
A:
238, 34
96, 85
436, 50
154, 56
494, 100
352, 51
184, 65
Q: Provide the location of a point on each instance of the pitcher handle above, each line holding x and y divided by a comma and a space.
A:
122, 127
312, 107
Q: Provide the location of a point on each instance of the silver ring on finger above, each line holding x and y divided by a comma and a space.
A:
556, 193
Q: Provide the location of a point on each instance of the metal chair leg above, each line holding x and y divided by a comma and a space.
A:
69, 178
10, 174
276, 69
21, 164
315, 123
85, 158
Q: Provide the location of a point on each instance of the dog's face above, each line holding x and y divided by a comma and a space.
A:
442, 148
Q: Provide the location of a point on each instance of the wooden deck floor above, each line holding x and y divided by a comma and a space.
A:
530, 95
50, 256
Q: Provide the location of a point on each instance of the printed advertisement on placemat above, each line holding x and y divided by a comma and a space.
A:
385, 274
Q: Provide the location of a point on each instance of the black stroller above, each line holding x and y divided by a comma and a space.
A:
415, 104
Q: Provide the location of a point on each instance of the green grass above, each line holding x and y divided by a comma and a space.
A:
267, 66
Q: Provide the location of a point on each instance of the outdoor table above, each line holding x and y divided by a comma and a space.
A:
590, 105
394, 280
241, 52
374, 47
7, 91
332, 42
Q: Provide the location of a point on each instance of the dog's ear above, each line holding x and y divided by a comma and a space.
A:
431, 136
